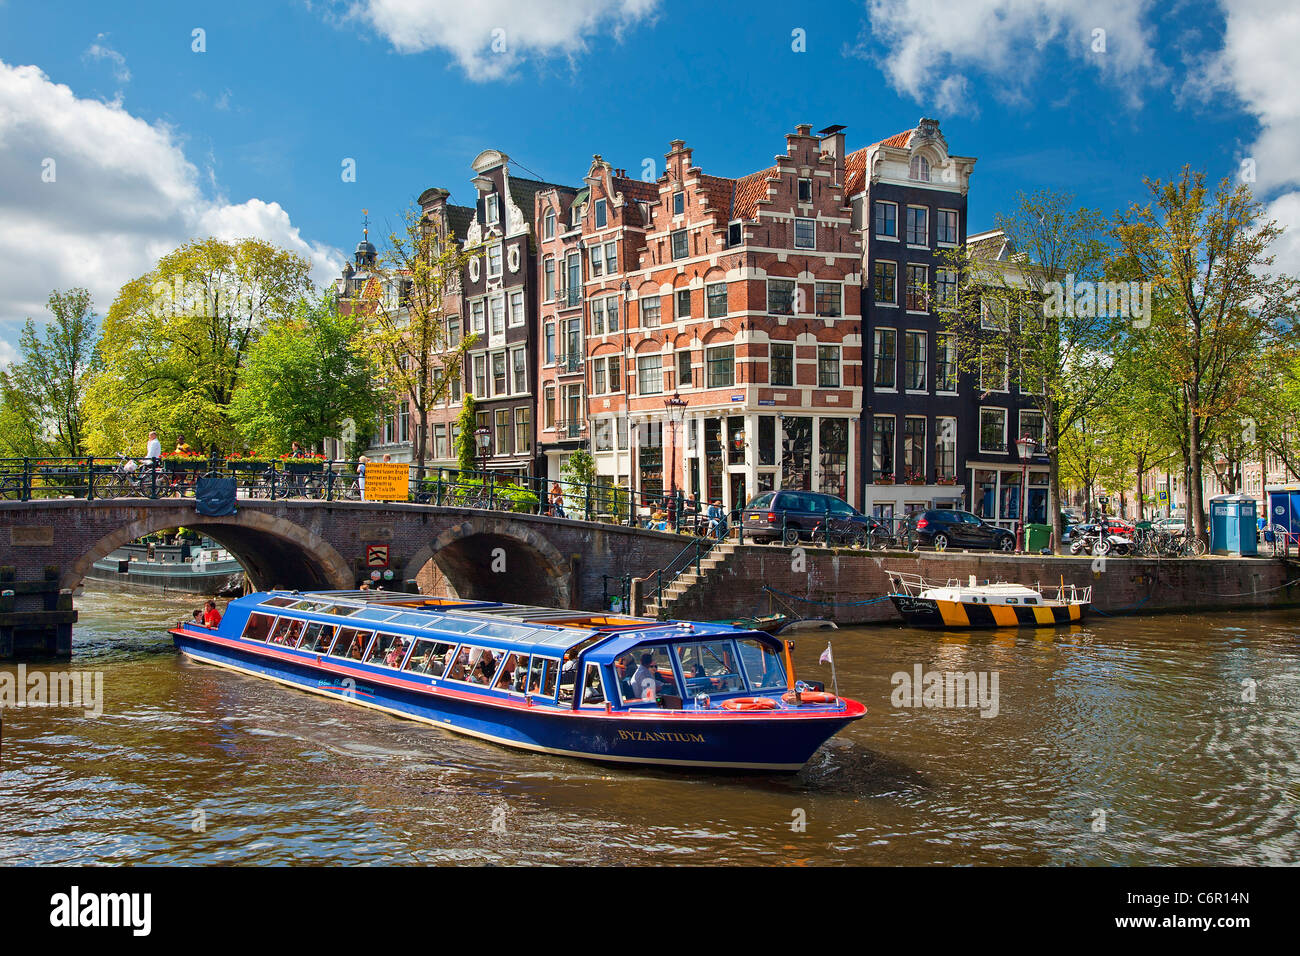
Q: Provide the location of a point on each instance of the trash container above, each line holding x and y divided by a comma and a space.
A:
1232, 525
1038, 537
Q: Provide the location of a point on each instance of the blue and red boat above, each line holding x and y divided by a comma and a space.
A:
597, 686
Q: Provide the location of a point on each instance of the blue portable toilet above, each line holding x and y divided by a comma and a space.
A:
1232, 525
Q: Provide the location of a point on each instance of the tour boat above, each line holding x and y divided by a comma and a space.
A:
927, 604
593, 685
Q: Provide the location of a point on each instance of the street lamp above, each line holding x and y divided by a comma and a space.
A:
483, 439
675, 408
1025, 449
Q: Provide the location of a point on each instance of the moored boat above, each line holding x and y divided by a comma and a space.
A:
925, 603
598, 686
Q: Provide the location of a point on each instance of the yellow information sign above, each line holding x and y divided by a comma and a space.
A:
387, 481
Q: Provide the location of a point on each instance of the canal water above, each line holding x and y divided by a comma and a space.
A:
1172, 739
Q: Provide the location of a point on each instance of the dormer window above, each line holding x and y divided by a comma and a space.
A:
577, 213
490, 212
919, 169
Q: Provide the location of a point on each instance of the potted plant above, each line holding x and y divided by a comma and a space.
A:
885, 478
247, 463
916, 477
946, 480
307, 463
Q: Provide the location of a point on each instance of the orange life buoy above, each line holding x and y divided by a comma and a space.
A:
810, 697
749, 703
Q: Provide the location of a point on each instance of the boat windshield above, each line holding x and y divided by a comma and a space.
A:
710, 667
763, 665
645, 673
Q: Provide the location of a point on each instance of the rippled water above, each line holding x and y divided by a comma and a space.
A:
1120, 741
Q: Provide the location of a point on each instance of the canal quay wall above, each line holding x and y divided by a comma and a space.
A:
846, 586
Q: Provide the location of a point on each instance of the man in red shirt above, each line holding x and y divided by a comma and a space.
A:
211, 616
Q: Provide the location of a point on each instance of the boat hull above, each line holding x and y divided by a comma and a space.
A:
928, 612
721, 740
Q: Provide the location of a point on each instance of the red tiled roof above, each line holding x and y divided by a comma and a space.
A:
855, 172
635, 188
719, 191
898, 140
749, 190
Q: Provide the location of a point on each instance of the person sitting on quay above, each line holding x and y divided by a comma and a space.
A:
211, 616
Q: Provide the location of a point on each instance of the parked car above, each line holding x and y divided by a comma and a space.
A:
792, 516
942, 529
1172, 525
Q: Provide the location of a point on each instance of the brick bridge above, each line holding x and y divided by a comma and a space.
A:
48, 545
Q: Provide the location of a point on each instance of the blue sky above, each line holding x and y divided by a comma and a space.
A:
154, 142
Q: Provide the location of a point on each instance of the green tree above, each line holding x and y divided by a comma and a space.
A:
176, 338
408, 303
43, 394
302, 378
1221, 307
466, 423
579, 473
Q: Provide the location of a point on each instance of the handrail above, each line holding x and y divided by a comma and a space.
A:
690, 555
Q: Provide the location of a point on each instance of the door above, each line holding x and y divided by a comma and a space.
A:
737, 483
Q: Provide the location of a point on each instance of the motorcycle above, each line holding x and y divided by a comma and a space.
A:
1099, 539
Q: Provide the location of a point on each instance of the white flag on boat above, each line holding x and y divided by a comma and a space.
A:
826, 657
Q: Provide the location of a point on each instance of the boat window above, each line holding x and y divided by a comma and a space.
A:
541, 676
709, 667
258, 627
474, 665
411, 620
429, 657
318, 638
287, 631
388, 649
457, 625
374, 614
510, 632
512, 673
763, 666
351, 643
1031, 600
645, 673
277, 602
1012, 600
593, 687
343, 610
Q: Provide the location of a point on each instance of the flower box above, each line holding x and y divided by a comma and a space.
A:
302, 466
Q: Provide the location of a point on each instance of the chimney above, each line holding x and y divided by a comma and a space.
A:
833, 145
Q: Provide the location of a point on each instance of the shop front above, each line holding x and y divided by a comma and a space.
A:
996, 494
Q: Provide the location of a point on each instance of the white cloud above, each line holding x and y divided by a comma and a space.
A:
123, 194
489, 38
101, 51
929, 48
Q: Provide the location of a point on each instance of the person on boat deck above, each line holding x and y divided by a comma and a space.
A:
644, 682
211, 616
197, 617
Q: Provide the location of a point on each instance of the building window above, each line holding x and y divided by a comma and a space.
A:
602, 435
993, 429
520, 370
523, 430
574, 290
805, 190
919, 169
440, 442
684, 368
914, 366
597, 316
782, 370
601, 217
914, 448
549, 227
549, 281
550, 343
597, 261
491, 210
1031, 425
615, 363
805, 234
494, 260
503, 431
611, 313
828, 366
476, 316
649, 375
498, 307
716, 296
548, 407
945, 356
598, 376
827, 297
650, 311
734, 235
721, 362
918, 226
886, 358
945, 287
499, 386
679, 244
453, 331
611, 257
945, 447
780, 296
993, 370
994, 314
480, 376
887, 219
882, 446
886, 283
946, 227
682, 298
679, 203
516, 309
917, 279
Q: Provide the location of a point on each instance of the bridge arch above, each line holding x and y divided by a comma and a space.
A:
274, 551
491, 558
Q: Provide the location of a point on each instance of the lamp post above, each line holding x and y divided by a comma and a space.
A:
625, 288
1025, 449
483, 439
675, 408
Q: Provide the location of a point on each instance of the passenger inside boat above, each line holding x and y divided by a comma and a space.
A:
646, 673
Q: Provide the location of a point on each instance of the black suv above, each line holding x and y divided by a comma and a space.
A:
791, 515
944, 529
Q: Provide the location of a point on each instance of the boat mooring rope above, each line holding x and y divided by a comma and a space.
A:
795, 597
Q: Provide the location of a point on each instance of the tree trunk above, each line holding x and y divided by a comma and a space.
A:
1141, 462
1195, 492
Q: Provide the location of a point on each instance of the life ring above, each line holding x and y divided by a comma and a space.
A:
809, 697
749, 703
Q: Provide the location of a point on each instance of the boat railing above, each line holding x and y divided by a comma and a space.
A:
912, 585
1066, 593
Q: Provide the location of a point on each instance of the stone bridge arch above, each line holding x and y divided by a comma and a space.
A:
491, 558
274, 551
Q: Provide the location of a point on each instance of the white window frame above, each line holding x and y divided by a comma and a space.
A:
515, 309
492, 209
956, 228
925, 361
885, 262
494, 257
993, 451
812, 223
1006, 372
